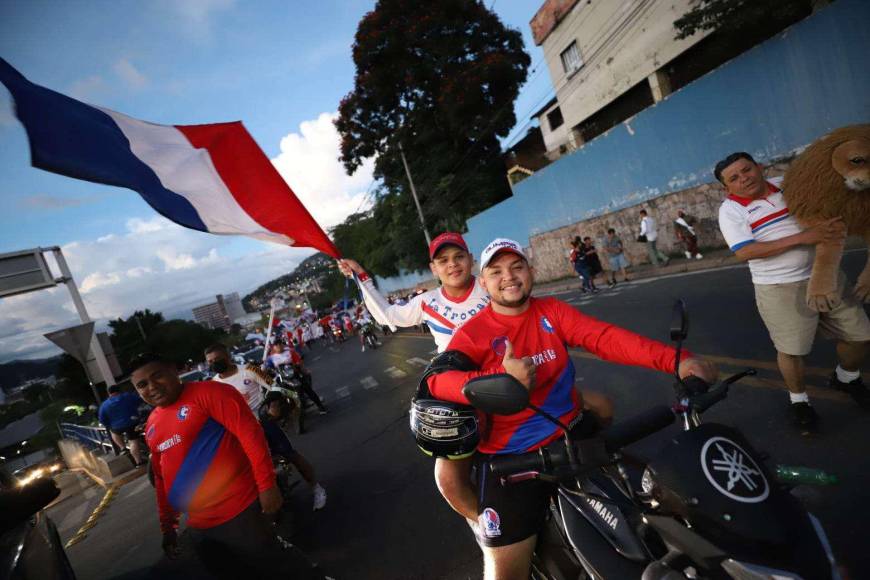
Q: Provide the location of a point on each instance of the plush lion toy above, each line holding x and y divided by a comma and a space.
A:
831, 178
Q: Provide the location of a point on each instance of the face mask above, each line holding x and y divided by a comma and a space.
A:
219, 366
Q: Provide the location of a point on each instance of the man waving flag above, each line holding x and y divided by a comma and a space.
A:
211, 178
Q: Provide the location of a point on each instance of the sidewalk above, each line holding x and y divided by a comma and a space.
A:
711, 261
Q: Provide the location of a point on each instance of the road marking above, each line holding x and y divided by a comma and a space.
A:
417, 362
396, 373
92, 521
368, 383
342, 392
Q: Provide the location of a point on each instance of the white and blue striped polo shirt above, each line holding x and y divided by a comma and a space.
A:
744, 221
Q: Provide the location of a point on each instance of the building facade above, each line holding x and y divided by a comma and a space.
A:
606, 60
221, 313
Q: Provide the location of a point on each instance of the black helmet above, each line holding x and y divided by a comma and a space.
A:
443, 428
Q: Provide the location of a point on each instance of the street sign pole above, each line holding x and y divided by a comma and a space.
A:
76, 342
96, 349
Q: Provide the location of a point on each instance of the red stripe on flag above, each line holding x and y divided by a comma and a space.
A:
255, 183
428, 309
767, 218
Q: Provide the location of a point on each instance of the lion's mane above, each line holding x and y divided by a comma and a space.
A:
814, 191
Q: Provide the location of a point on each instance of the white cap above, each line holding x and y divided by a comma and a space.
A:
501, 245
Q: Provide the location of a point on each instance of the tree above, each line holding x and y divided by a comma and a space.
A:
440, 79
129, 335
736, 17
182, 340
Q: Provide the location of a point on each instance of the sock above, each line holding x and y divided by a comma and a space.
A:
845, 376
799, 397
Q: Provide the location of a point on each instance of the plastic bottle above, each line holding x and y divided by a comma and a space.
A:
804, 475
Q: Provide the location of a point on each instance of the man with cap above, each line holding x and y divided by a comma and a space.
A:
443, 310
528, 338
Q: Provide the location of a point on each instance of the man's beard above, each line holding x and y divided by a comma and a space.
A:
513, 303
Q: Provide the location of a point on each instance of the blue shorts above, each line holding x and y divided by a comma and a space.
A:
618, 262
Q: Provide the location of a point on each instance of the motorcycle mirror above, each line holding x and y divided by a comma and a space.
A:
679, 322
498, 394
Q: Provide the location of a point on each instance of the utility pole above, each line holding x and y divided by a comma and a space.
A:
414, 195
96, 349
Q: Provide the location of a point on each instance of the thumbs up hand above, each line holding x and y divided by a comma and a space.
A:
522, 369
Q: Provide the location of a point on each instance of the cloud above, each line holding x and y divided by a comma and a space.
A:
54, 202
154, 264
88, 88
308, 161
130, 74
196, 16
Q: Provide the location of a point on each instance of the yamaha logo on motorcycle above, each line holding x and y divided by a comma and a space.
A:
732, 471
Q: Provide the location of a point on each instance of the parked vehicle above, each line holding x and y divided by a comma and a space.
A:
705, 507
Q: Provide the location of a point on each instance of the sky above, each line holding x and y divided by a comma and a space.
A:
281, 67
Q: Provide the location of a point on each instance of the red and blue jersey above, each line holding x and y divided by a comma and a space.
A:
543, 332
209, 456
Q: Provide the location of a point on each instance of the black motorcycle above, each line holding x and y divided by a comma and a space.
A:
707, 507
369, 338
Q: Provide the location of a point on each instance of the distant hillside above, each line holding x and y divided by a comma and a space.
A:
18, 371
318, 267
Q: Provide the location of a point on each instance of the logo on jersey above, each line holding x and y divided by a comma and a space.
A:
150, 433
491, 523
499, 345
183, 412
545, 324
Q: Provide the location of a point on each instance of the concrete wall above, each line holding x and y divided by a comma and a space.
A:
771, 101
620, 43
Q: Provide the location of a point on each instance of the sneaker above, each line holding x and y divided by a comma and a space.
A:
323, 411
804, 417
698, 256
856, 389
363, 348
319, 497
688, 255
611, 284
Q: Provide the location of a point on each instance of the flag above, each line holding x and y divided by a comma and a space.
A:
212, 178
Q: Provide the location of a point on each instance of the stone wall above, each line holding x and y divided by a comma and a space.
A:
550, 249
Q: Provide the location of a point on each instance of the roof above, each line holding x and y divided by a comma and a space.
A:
540, 111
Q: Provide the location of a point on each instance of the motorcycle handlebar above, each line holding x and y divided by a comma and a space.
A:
555, 455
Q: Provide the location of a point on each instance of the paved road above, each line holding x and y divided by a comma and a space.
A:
384, 518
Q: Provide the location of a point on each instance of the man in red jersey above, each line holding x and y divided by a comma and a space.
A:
211, 461
528, 338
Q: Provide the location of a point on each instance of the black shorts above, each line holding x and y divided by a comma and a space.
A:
128, 432
507, 514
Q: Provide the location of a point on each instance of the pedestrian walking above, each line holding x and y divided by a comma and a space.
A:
683, 227
615, 256
756, 225
592, 258
581, 266
120, 415
649, 235
211, 461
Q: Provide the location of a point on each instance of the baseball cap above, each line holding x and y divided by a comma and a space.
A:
501, 245
445, 239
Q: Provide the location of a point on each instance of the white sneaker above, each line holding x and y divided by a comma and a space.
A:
363, 348
319, 497
688, 255
698, 257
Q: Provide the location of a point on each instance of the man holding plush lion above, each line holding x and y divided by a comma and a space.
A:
756, 224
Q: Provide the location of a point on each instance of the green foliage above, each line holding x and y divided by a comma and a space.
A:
736, 17
182, 340
439, 78
127, 333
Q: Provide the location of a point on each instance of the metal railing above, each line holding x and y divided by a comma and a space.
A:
94, 437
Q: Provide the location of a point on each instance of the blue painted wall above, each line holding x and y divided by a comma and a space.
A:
770, 101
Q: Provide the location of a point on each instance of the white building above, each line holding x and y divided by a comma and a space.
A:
607, 61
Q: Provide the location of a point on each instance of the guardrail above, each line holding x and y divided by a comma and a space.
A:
93, 437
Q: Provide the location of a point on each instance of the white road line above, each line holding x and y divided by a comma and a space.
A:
417, 362
395, 373
342, 392
368, 383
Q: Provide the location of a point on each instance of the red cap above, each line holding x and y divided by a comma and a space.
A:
445, 239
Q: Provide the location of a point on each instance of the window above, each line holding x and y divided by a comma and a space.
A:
571, 60
555, 119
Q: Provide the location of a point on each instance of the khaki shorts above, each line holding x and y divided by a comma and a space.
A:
792, 324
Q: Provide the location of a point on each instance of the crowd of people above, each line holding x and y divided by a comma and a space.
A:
213, 443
